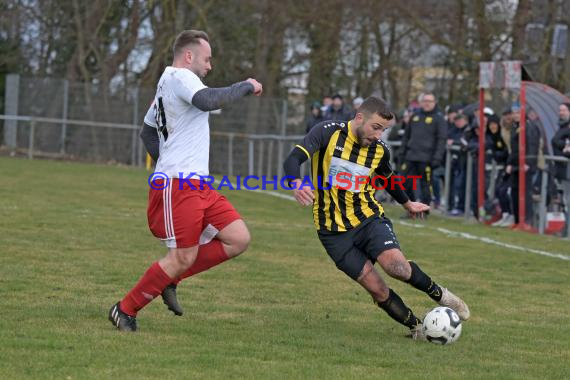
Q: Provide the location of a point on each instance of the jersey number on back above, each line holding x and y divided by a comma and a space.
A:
159, 115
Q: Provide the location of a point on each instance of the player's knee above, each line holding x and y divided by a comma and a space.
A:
399, 269
185, 257
240, 242
243, 241
237, 241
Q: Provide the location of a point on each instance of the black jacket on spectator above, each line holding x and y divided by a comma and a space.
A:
531, 146
558, 144
313, 120
455, 134
342, 114
473, 143
498, 146
425, 138
395, 134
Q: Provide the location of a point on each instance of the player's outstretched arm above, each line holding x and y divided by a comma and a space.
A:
415, 209
209, 99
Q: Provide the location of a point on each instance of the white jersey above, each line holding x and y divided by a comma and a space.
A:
187, 148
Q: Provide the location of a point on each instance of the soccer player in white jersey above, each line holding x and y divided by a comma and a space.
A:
183, 211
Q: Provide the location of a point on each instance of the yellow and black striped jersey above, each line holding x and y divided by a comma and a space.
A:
336, 160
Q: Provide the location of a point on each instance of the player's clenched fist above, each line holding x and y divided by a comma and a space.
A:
257, 87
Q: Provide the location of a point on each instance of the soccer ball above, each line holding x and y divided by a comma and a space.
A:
442, 326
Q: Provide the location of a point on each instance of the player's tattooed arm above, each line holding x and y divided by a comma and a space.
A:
209, 99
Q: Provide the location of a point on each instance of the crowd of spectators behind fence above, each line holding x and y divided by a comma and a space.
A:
426, 133
332, 108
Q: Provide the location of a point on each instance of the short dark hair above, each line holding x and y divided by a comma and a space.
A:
453, 108
376, 105
188, 37
337, 96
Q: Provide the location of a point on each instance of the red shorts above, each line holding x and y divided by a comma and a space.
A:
184, 217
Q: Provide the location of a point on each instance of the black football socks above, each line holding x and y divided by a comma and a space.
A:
423, 282
397, 309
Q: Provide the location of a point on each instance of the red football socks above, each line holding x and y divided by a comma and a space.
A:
150, 285
209, 255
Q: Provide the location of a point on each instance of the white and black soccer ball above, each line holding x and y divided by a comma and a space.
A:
442, 325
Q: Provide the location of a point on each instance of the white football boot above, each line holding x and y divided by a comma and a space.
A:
450, 300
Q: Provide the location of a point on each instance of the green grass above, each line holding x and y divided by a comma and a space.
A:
74, 239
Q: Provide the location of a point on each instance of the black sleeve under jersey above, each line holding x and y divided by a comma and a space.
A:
150, 140
293, 162
317, 138
384, 169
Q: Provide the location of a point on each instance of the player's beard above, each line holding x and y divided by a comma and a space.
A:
199, 72
362, 141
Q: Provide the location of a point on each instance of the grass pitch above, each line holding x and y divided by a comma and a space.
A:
74, 239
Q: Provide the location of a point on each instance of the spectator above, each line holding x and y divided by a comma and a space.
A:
487, 111
561, 141
423, 146
327, 103
315, 117
396, 133
415, 105
541, 161
338, 111
532, 115
451, 112
356, 102
500, 155
439, 172
531, 147
472, 138
455, 138
506, 127
498, 148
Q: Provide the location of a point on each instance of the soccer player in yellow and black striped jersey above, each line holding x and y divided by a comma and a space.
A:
347, 159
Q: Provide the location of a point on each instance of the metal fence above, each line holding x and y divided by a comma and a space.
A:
231, 153
542, 207
540, 210
100, 124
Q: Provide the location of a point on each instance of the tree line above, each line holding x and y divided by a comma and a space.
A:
322, 47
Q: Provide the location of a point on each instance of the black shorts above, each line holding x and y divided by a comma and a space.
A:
350, 250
